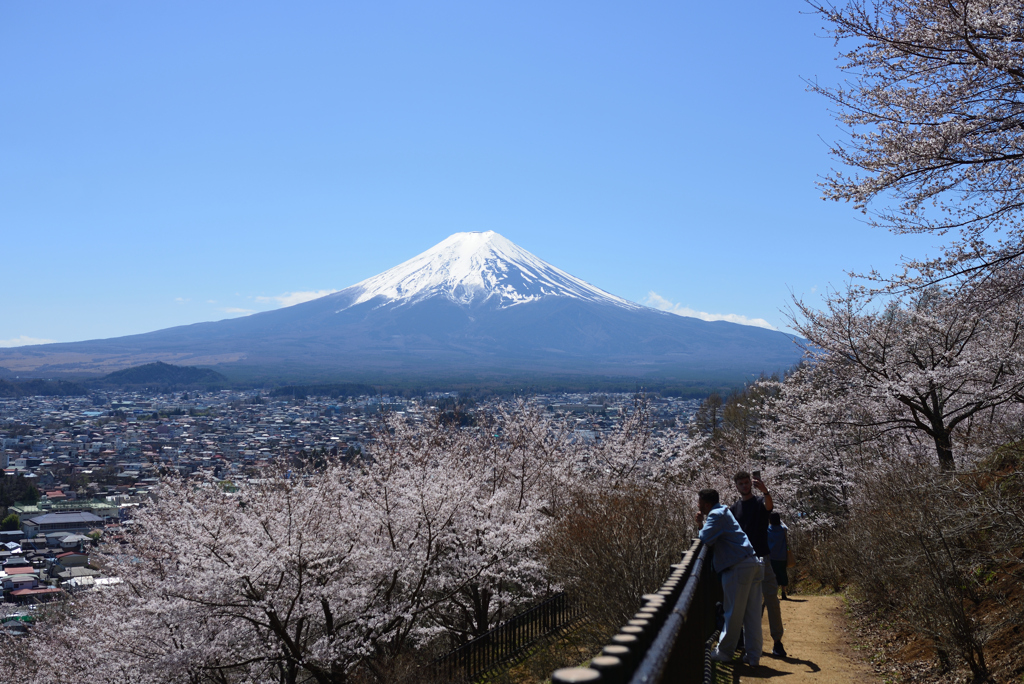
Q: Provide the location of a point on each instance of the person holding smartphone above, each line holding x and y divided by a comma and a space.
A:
752, 513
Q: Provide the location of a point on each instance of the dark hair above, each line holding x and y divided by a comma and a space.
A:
708, 496
774, 518
742, 475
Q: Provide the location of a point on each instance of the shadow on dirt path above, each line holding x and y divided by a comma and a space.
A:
818, 650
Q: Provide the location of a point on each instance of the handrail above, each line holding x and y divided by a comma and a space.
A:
666, 640
656, 660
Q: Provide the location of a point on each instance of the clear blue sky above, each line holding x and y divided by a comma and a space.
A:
168, 163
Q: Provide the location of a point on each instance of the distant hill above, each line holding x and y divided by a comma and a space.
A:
40, 388
162, 374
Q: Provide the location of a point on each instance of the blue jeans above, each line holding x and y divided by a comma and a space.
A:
741, 589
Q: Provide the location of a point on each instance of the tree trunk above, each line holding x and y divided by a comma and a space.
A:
481, 609
944, 448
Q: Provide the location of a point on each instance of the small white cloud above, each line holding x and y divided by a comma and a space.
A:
180, 299
658, 302
236, 310
24, 340
211, 301
292, 298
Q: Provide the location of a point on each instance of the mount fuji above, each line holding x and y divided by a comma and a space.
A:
473, 306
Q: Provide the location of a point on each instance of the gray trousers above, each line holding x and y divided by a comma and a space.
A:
770, 591
741, 599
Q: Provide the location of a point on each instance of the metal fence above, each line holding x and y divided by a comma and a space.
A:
665, 642
508, 641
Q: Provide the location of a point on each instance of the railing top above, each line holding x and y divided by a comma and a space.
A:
668, 612
653, 664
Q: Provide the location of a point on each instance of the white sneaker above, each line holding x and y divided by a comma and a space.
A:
720, 657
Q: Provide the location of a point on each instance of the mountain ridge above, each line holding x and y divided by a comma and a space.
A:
475, 303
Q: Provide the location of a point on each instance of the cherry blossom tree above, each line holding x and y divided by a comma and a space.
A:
933, 112
930, 363
224, 588
351, 572
492, 483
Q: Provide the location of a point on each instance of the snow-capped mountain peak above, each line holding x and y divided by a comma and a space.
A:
471, 268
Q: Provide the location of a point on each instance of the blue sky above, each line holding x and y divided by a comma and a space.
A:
168, 163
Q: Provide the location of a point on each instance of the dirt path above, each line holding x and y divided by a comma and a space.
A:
818, 650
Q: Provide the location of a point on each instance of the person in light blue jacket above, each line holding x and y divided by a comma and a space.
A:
778, 542
733, 556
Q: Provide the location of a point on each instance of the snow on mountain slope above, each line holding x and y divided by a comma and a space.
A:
472, 268
455, 309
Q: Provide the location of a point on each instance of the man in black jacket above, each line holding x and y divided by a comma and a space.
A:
752, 513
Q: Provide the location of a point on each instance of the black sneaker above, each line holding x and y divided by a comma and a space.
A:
779, 650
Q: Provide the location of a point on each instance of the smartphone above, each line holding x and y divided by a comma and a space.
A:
757, 474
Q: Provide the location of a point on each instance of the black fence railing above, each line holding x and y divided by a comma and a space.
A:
665, 641
507, 642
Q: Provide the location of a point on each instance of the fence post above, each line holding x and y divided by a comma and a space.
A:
575, 675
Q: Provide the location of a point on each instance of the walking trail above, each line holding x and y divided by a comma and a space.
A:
818, 649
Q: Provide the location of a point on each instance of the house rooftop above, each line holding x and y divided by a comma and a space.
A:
62, 517
12, 570
36, 592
